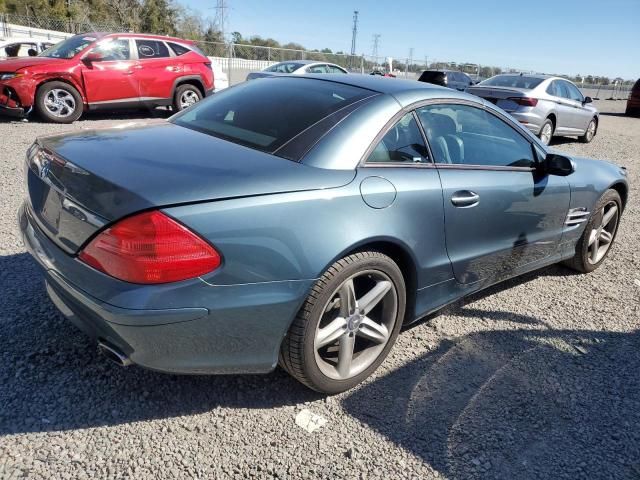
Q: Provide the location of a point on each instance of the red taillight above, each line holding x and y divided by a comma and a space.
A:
525, 101
150, 248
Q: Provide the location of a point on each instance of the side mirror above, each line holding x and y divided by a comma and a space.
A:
93, 57
587, 100
558, 165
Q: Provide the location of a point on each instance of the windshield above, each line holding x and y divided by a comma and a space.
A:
267, 113
69, 48
430, 76
287, 67
513, 81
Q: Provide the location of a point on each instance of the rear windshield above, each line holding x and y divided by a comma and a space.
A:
266, 113
431, 77
285, 67
514, 81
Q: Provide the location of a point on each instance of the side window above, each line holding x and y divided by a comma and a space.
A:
334, 69
574, 93
552, 89
402, 144
465, 135
178, 49
114, 49
151, 49
317, 69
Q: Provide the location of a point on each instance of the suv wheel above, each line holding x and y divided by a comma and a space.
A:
58, 102
185, 96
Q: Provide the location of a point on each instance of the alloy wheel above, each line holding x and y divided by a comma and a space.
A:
546, 134
591, 130
188, 98
357, 323
601, 236
59, 103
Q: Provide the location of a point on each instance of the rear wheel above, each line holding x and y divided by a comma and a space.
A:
58, 102
546, 132
598, 235
347, 325
592, 128
185, 96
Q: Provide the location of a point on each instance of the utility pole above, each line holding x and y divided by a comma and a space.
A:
376, 41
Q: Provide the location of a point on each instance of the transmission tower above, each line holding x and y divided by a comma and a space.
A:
221, 17
376, 41
355, 33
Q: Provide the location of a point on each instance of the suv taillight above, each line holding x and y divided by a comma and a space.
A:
150, 248
524, 101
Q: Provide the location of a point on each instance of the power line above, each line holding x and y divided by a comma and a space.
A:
221, 16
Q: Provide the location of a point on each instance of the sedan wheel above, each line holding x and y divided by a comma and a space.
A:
348, 323
546, 132
599, 234
353, 331
590, 132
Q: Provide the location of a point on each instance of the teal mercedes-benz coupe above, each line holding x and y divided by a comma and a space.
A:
301, 221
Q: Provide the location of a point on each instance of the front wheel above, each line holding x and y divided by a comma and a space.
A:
185, 96
590, 132
598, 236
58, 102
347, 325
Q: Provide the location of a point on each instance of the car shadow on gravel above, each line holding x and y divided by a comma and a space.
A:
137, 114
526, 403
53, 379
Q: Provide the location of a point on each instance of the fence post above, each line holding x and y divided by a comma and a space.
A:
269, 54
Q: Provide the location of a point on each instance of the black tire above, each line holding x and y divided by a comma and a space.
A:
580, 261
542, 128
47, 89
297, 355
187, 88
587, 137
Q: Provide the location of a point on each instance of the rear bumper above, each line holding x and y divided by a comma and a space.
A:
235, 329
530, 120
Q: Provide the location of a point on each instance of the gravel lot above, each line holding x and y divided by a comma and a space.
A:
537, 378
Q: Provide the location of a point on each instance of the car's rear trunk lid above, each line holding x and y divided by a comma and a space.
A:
81, 182
500, 96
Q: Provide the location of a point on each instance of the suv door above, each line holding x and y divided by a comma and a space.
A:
110, 81
157, 70
500, 213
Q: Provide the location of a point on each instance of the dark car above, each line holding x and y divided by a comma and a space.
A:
447, 78
302, 220
633, 102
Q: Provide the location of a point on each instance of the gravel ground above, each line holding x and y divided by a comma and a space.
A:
536, 378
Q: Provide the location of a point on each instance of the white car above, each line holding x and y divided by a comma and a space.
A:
298, 67
23, 47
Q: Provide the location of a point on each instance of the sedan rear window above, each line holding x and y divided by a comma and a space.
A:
513, 81
266, 113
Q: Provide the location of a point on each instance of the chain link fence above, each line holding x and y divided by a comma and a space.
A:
237, 60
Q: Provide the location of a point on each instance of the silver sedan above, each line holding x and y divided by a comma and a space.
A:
298, 67
548, 106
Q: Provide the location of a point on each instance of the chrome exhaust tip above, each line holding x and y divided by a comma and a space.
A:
113, 354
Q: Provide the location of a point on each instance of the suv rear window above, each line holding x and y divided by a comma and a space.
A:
432, 77
513, 81
178, 49
267, 113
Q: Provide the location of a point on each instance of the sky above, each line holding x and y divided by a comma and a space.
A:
562, 36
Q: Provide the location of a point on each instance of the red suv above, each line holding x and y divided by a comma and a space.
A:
105, 71
633, 102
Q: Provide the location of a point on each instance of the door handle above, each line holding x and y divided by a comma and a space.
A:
465, 199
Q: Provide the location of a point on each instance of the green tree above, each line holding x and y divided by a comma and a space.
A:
158, 16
